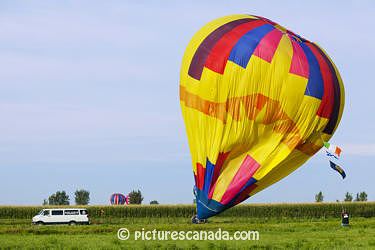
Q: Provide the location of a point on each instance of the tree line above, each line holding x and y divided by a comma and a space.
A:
82, 197
362, 196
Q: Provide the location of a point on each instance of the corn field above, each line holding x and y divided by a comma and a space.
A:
287, 210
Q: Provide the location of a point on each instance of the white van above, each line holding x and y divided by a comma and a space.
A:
71, 216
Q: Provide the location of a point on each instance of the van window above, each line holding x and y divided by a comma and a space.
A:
46, 212
71, 212
57, 212
83, 212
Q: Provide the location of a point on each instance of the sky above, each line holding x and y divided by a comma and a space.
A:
89, 97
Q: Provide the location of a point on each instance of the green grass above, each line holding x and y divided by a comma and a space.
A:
283, 233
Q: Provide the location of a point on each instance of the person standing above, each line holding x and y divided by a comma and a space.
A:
344, 218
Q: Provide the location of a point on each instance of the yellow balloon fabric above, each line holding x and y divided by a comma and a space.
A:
257, 101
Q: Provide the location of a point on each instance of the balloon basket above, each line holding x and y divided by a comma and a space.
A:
196, 220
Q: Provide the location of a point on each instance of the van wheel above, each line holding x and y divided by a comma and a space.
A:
40, 223
72, 223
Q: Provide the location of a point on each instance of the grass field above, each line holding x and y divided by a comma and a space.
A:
274, 233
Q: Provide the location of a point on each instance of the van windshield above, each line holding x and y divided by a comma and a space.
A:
40, 212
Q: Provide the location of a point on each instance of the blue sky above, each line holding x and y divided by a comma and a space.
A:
89, 96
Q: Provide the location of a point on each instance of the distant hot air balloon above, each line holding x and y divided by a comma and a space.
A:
119, 199
257, 101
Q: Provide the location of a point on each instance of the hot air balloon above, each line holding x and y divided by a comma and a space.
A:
118, 199
257, 101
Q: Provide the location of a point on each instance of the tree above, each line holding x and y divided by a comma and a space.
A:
135, 197
348, 197
357, 197
45, 202
362, 196
154, 202
59, 198
82, 197
319, 197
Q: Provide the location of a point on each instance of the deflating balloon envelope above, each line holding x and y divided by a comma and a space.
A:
257, 101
